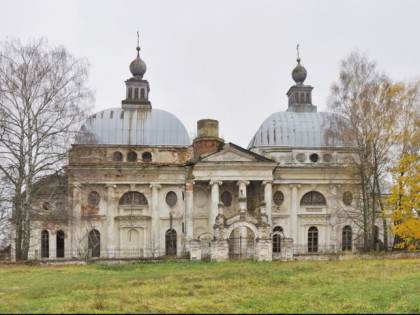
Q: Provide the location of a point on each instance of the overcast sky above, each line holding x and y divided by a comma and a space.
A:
225, 60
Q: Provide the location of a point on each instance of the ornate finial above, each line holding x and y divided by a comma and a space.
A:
297, 49
138, 45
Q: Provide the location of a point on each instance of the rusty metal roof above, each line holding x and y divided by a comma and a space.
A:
295, 129
118, 126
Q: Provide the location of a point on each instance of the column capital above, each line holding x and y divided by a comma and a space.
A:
295, 185
216, 182
190, 182
265, 182
246, 182
155, 185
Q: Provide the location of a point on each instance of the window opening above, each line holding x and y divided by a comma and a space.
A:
45, 244
314, 157
171, 199
60, 244
346, 241
278, 198
313, 198
94, 198
226, 198
347, 198
117, 156
313, 239
146, 157
170, 238
133, 198
132, 156
94, 243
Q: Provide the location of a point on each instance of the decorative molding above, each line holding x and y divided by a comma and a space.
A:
218, 182
246, 182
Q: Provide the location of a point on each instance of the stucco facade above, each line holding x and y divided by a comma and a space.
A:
137, 187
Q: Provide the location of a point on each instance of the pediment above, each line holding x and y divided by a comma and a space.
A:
233, 153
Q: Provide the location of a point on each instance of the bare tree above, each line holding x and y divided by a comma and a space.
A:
374, 127
43, 99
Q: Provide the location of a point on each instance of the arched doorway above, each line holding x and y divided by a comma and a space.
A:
170, 240
241, 243
60, 244
94, 243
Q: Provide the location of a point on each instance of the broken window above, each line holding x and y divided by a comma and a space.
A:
132, 156
117, 156
133, 198
277, 231
313, 198
312, 239
146, 156
346, 241
347, 198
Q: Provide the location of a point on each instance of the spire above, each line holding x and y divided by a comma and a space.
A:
137, 89
299, 72
300, 95
137, 66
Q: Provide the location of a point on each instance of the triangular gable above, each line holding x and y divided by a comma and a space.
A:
233, 153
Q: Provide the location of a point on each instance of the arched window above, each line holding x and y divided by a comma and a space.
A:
308, 98
297, 97
277, 239
312, 239
94, 243
142, 93
60, 244
302, 97
136, 93
133, 198
170, 239
45, 244
226, 198
130, 93
313, 198
346, 242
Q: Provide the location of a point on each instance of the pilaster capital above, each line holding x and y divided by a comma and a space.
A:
155, 185
190, 182
267, 182
76, 185
111, 185
216, 182
246, 182
295, 185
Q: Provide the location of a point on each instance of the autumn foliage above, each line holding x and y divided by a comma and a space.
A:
404, 201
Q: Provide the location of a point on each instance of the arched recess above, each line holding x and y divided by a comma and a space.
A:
241, 243
94, 243
347, 238
133, 239
60, 244
205, 245
133, 198
45, 244
313, 198
170, 241
277, 235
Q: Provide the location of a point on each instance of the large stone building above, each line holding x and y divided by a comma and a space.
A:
135, 186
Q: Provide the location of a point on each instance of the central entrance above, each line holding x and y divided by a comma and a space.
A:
241, 243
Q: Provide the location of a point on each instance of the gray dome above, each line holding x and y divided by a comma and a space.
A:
137, 66
299, 73
118, 126
292, 129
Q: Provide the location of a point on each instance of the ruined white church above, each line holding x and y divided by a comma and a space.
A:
136, 186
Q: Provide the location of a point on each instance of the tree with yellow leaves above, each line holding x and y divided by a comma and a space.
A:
404, 201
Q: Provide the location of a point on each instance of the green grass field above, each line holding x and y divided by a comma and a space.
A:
354, 286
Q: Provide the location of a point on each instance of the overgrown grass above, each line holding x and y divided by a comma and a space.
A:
355, 286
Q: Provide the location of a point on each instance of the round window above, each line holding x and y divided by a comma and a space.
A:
146, 156
347, 198
132, 156
278, 198
314, 157
171, 199
46, 206
117, 156
226, 198
94, 199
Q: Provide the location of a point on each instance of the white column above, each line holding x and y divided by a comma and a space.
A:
110, 220
155, 241
294, 213
268, 197
76, 218
214, 203
189, 207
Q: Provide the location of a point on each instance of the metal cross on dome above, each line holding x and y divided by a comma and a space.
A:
297, 48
